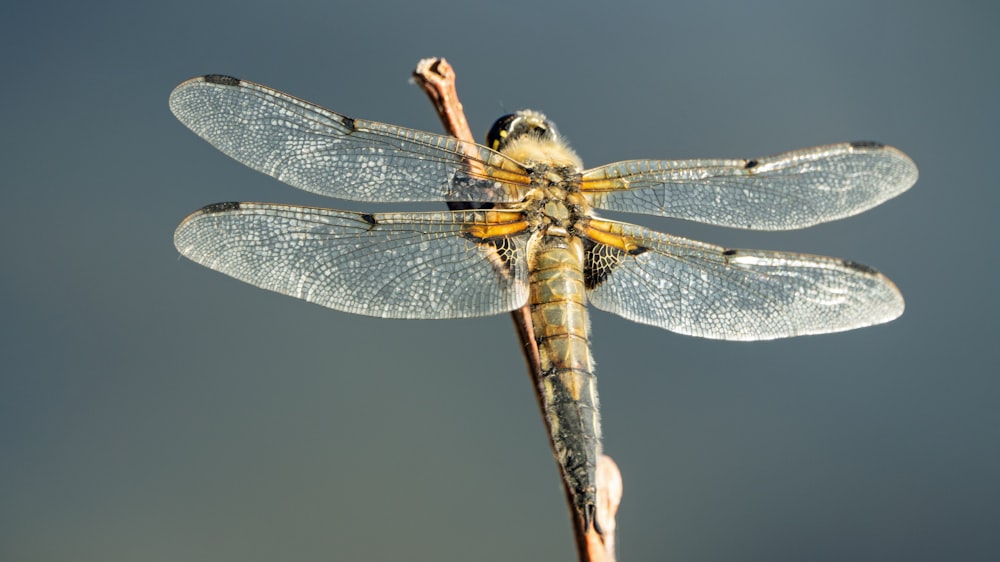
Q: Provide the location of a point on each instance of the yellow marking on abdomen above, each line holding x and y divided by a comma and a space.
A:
568, 381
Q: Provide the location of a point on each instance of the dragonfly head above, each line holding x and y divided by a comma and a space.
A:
515, 125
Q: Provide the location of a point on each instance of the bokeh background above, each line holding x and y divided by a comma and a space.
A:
151, 409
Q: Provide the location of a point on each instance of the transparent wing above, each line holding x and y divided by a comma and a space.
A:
699, 289
324, 152
786, 191
392, 265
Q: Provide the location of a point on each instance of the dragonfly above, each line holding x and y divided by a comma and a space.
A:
524, 232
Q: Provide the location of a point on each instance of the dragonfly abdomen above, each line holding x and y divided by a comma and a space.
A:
568, 379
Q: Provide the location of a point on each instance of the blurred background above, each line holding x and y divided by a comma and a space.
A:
151, 409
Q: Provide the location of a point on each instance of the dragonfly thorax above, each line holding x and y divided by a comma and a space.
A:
555, 209
553, 203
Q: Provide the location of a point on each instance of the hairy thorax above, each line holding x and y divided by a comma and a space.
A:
554, 204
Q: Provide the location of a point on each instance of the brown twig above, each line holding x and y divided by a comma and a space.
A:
437, 79
593, 543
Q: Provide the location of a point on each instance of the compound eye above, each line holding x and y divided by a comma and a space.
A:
499, 133
514, 125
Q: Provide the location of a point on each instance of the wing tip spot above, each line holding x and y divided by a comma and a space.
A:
221, 79
221, 207
856, 266
369, 218
752, 163
866, 144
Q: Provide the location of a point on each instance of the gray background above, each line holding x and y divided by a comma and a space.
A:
153, 410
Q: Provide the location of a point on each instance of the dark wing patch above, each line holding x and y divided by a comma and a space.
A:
507, 256
599, 261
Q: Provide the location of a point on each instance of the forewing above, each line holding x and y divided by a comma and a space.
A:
699, 289
324, 152
782, 192
391, 265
